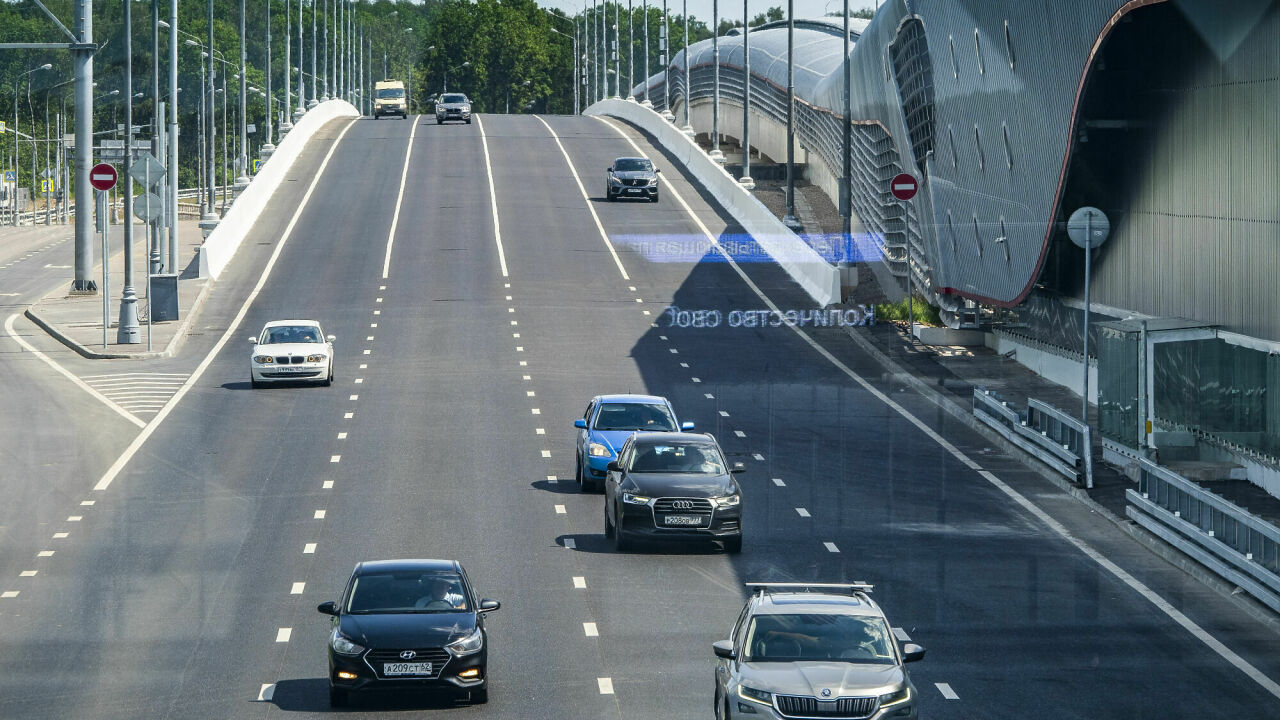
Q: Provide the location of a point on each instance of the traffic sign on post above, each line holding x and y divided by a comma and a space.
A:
102, 177
146, 207
147, 168
903, 186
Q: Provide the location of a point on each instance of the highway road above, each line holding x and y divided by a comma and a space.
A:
475, 318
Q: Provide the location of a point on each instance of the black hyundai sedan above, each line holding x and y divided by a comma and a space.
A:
408, 624
672, 486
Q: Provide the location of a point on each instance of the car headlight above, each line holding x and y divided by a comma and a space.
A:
633, 499
598, 450
342, 645
316, 358
728, 500
754, 695
467, 644
263, 359
466, 108
900, 695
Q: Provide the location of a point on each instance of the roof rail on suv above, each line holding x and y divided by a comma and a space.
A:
761, 588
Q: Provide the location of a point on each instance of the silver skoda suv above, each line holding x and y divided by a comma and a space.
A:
806, 650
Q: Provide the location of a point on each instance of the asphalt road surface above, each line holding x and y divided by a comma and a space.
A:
188, 587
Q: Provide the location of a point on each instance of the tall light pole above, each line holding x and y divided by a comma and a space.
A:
173, 136
267, 146
790, 218
211, 131
746, 179
664, 44
688, 127
315, 82
128, 331
16, 162
715, 153
588, 21
242, 180
631, 51
617, 49
324, 67
286, 125
647, 101
846, 167
82, 60
302, 80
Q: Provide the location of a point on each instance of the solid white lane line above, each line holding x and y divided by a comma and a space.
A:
1139, 587
590, 205
8, 326
232, 328
493, 200
946, 691
589, 629
778, 482
266, 692
579, 582
802, 512
282, 635
309, 549
901, 634
606, 685
395, 217
297, 589
831, 547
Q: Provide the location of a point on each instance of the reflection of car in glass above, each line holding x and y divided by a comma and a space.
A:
672, 486
453, 106
291, 351
608, 422
389, 99
813, 650
632, 177
408, 624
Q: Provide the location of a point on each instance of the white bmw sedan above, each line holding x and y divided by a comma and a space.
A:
291, 351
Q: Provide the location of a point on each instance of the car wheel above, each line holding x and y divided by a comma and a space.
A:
329, 380
338, 697
610, 196
480, 697
733, 545
581, 477
720, 705
608, 526
621, 543
654, 199
468, 121
439, 121
254, 383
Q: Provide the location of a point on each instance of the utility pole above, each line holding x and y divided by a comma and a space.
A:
790, 218
715, 154
688, 127
210, 133
647, 101
267, 146
846, 169
746, 180
617, 49
157, 134
315, 81
631, 51
128, 331
242, 180
287, 124
82, 60
173, 136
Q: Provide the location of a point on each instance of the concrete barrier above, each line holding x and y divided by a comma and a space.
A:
815, 275
222, 243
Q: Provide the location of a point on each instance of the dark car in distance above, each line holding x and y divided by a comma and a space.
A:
632, 177
672, 486
408, 624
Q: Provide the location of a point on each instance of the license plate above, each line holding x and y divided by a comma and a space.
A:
683, 520
390, 669
293, 369
633, 190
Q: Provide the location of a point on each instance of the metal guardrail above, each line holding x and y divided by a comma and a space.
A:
36, 217
1047, 437
1231, 541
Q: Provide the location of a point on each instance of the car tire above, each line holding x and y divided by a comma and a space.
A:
608, 195
468, 121
480, 697
439, 121
338, 697
654, 199
621, 543
721, 705
608, 526
581, 477
733, 545
329, 380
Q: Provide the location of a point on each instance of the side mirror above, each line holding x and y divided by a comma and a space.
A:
657, 170
328, 608
253, 341
608, 169
330, 338
613, 466
724, 649
487, 605
912, 652
580, 424
686, 426
738, 468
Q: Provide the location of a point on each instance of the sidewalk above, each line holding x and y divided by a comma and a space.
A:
76, 320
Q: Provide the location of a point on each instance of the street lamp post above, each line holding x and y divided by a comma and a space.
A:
790, 218
631, 52
286, 125
267, 146
715, 153
688, 127
847, 278
746, 179
617, 49
664, 44
588, 21
302, 83
315, 82
324, 66
242, 157
128, 331
645, 8
16, 162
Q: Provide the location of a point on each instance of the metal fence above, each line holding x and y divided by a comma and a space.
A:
1048, 434
1228, 539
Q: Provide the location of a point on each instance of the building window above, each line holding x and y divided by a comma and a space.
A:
913, 72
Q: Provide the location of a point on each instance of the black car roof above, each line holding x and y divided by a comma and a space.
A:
673, 438
406, 565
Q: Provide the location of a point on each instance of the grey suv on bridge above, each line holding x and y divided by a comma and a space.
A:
814, 650
632, 177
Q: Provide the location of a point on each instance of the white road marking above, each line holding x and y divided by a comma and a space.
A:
368, 338
901, 634
282, 635
60, 535
646, 312
513, 322
88, 502
75, 518
579, 582
358, 381
540, 431
493, 200
802, 512
739, 433
28, 573
526, 377
515, 335
364, 366
266, 692
509, 297
606, 685
309, 549
946, 691
373, 325
8, 326
511, 309
353, 398
348, 416
9, 594
342, 436
724, 413
639, 300
831, 547
319, 515
232, 329
45, 553
546, 453
519, 348
378, 300
524, 363
778, 482
335, 458
327, 485
570, 544
528, 393
368, 352
560, 510
590, 205
384, 287
377, 312
552, 478
589, 628
758, 457
297, 589
684, 365
536, 411
675, 351
632, 288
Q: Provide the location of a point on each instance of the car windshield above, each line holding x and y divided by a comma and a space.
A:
635, 416
390, 93
407, 592
454, 99
818, 637
688, 458
631, 165
290, 334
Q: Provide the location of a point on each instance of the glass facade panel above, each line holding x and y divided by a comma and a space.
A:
1118, 385
1219, 389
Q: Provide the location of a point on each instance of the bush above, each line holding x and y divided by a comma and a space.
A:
926, 314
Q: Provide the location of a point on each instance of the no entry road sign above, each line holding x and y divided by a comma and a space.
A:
102, 177
903, 186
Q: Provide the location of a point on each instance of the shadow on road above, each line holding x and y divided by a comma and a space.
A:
312, 695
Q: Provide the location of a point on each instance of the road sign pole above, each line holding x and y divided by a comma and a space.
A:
903, 187
103, 225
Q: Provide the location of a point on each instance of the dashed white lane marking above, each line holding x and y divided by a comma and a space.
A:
506, 285
802, 512
662, 337
395, 216
342, 436
709, 396
378, 300
684, 365
646, 312
364, 366
327, 485
297, 588
758, 457
60, 535
266, 692
724, 413
525, 377
511, 310
368, 352
384, 287
9, 594
335, 458
524, 363
319, 515
75, 518
589, 629
509, 297
639, 300
536, 411
674, 351
546, 453
590, 205
529, 393
632, 288
519, 348
28, 573
513, 322
739, 433
901, 634
88, 502
579, 582
515, 335
359, 381
309, 549
377, 312
373, 325
1136, 585
348, 416
570, 544
778, 482
606, 685
368, 338
946, 691
540, 431
45, 553
831, 547
493, 199
560, 510
552, 478
354, 398
282, 635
